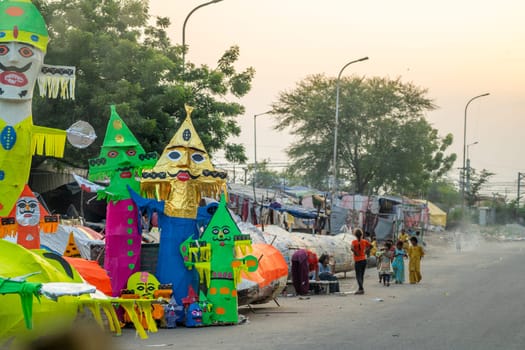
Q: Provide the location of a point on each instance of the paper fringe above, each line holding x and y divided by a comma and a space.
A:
49, 142
8, 227
57, 81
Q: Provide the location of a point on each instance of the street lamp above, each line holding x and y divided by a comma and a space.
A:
255, 151
465, 149
467, 184
184, 29
337, 122
471, 144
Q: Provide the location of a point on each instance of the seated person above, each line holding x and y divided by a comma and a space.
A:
326, 273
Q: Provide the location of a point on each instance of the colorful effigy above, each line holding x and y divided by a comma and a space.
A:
173, 188
23, 44
121, 161
215, 257
27, 219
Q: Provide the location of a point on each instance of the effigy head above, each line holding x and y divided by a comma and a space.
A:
144, 284
23, 44
194, 315
183, 173
27, 209
121, 158
222, 230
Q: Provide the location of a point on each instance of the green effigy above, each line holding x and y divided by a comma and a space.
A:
214, 256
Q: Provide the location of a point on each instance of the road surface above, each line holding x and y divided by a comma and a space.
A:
468, 300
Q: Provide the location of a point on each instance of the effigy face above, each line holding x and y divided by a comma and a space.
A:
183, 173
121, 159
23, 43
20, 65
144, 284
27, 211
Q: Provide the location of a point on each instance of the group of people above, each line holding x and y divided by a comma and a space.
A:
390, 259
307, 267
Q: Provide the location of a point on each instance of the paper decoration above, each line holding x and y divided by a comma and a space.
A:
121, 161
23, 34
173, 188
71, 248
214, 256
143, 284
183, 173
27, 219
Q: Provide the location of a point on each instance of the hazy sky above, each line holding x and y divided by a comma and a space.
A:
455, 49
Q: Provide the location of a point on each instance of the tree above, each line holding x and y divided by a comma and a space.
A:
384, 142
264, 177
475, 184
444, 194
122, 60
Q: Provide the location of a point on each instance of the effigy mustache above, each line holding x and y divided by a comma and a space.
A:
15, 69
163, 175
128, 168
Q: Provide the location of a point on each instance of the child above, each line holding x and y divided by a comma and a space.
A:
384, 260
415, 254
398, 265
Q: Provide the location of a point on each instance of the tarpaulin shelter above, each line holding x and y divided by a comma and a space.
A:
437, 216
84, 238
270, 276
92, 272
288, 242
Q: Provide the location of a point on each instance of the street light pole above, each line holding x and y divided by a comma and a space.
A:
184, 30
255, 151
463, 177
467, 183
337, 123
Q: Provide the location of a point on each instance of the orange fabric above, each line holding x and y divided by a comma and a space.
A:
313, 261
272, 265
93, 273
359, 248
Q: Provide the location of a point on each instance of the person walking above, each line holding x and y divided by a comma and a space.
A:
385, 257
415, 254
457, 238
398, 265
360, 246
404, 237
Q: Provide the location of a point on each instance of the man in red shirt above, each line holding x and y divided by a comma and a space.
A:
360, 247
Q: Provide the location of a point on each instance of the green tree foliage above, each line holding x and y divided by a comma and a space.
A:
475, 183
444, 194
264, 178
384, 142
122, 59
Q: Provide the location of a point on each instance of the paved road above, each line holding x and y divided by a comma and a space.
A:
470, 300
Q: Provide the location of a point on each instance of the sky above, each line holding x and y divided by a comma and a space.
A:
454, 49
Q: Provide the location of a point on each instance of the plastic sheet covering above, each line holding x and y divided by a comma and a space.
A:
270, 277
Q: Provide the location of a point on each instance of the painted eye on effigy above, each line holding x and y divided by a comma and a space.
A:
26, 52
131, 152
175, 155
151, 288
112, 154
198, 158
